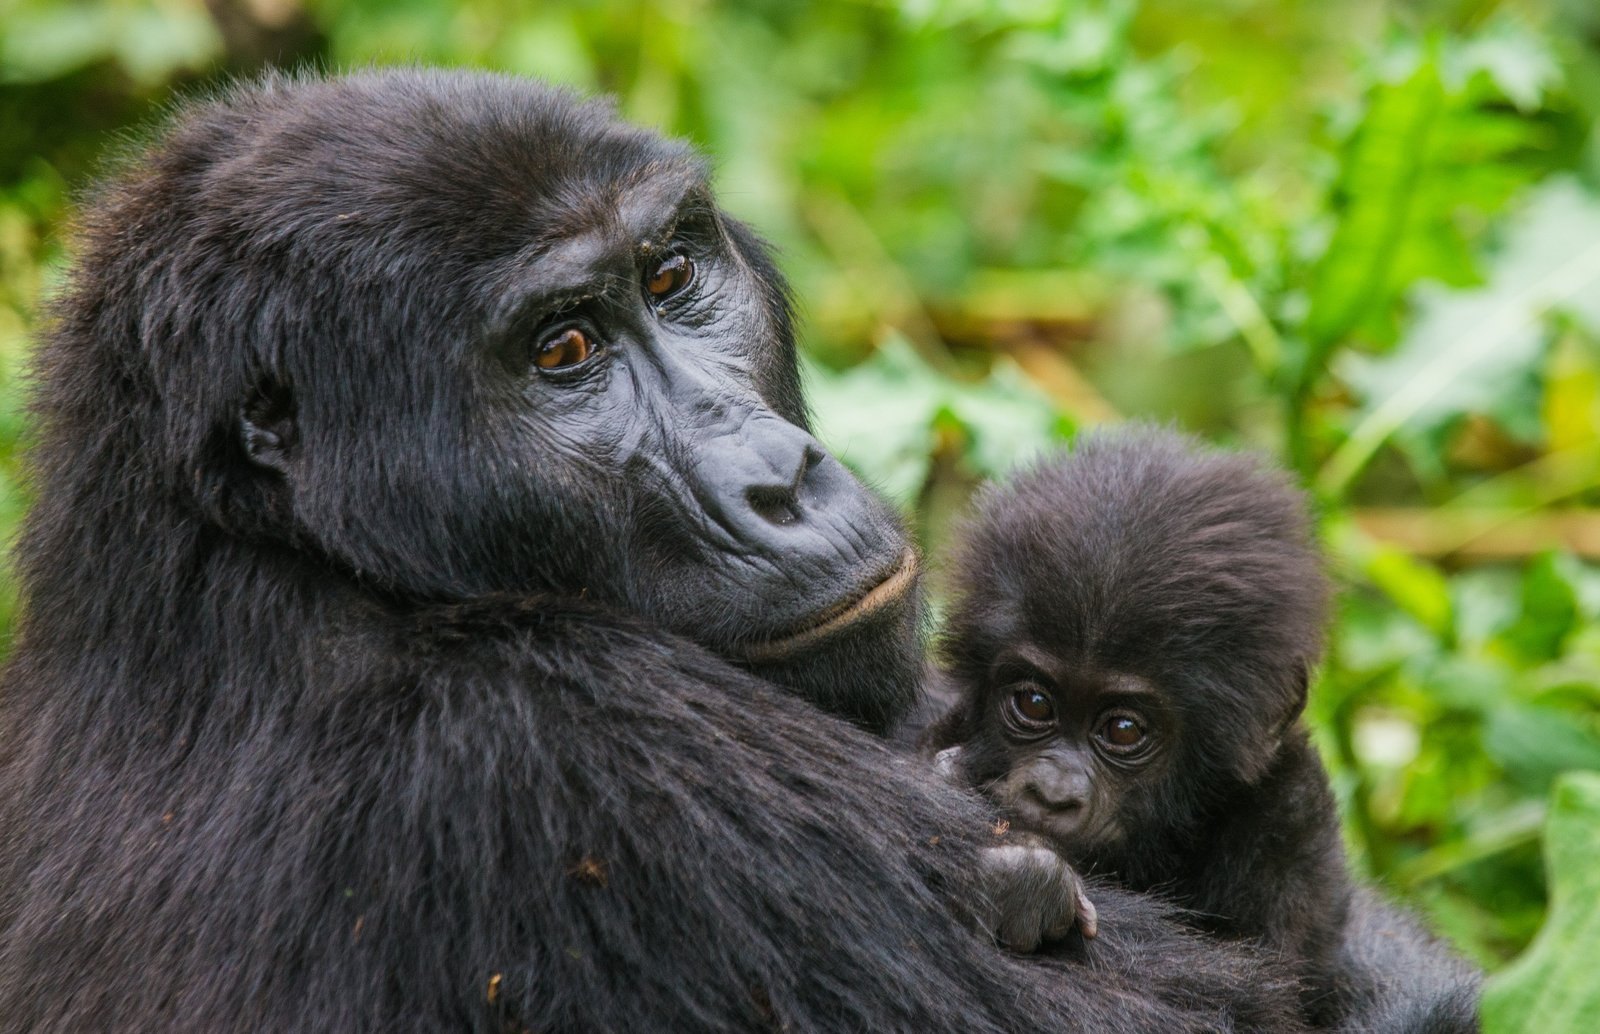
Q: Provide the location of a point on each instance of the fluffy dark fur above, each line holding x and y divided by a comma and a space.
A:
369, 681
1146, 579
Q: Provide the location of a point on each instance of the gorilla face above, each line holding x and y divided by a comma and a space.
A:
588, 386
632, 355
1131, 640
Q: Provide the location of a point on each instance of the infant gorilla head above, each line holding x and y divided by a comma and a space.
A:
1132, 640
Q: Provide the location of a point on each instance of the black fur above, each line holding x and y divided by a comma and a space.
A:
354, 692
1152, 577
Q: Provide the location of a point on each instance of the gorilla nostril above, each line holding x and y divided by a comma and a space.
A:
1066, 806
774, 504
780, 504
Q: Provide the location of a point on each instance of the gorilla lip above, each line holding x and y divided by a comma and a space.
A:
832, 619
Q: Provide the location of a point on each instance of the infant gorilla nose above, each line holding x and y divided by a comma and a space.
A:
1058, 790
1058, 809
1065, 820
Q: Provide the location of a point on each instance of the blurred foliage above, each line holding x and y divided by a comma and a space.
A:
1552, 987
1363, 237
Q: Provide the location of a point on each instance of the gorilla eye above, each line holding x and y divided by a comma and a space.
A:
672, 276
1031, 707
568, 348
1123, 733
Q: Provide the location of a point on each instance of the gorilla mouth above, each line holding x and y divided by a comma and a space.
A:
841, 615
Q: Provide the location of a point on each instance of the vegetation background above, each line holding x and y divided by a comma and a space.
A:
1361, 235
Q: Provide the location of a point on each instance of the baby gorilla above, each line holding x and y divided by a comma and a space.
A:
1129, 648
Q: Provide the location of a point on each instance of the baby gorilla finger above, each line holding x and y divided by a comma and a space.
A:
1082, 914
1088, 917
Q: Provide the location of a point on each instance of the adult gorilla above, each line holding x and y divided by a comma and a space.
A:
415, 449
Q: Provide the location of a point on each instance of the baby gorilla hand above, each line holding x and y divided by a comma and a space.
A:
1033, 895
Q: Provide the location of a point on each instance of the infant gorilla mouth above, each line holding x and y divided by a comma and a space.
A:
886, 592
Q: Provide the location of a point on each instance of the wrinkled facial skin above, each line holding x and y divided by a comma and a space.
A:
739, 527
612, 356
1071, 752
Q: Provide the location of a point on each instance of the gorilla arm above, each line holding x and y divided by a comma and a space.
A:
797, 873
1395, 976
527, 815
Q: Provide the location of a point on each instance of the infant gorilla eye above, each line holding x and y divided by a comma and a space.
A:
672, 276
1032, 706
1122, 732
568, 348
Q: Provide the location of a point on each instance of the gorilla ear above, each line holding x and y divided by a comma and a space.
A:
267, 428
1299, 692
1302, 689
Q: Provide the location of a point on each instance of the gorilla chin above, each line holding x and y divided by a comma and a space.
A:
871, 638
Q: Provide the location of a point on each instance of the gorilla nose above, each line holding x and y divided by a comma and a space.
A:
1064, 797
1064, 805
779, 503
774, 488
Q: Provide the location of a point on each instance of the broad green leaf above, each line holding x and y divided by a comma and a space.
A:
1536, 744
1470, 684
1468, 346
150, 44
1377, 197
879, 417
1415, 586
41, 45
1516, 58
1552, 988
1487, 602
883, 418
1007, 420
1549, 608
1432, 147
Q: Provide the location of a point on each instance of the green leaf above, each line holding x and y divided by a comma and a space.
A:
1432, 154
1536, 744
878, 417
1467, 347
1415, 586
1518, 61
883, 418
1381, 186
1549, 608
149, 44
1006, 420
1552, 988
